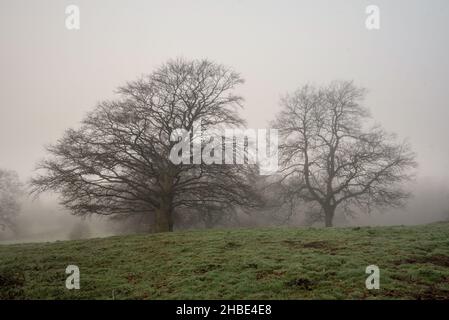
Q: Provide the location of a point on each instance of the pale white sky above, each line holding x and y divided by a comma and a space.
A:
50, 76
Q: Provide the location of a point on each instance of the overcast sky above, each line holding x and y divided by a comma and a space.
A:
50, 76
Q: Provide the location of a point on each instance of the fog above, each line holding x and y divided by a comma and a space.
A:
50, 77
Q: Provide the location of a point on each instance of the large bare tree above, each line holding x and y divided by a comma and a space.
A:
333, 157
118, 162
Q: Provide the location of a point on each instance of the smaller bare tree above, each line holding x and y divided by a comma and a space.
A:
332, 156
10, 191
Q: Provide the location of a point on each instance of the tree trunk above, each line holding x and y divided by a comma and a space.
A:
164, 217
329, 216
164, 214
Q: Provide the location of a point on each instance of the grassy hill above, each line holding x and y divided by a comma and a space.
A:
271, 263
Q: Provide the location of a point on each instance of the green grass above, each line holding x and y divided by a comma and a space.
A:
271, 263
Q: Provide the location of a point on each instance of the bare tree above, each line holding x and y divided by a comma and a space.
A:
10, 191
118, 162
336, 160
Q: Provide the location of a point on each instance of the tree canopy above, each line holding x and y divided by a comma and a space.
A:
331, 157
118, 161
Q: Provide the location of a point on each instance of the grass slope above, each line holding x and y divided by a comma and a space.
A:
274, 263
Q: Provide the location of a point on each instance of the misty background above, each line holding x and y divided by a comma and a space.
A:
50, 77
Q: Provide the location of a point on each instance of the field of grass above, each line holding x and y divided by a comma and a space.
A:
271, 263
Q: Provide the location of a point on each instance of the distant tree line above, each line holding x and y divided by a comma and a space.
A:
10, 192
